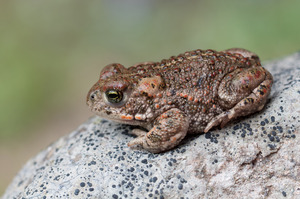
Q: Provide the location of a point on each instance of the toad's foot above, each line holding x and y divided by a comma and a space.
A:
168, 130
250, 103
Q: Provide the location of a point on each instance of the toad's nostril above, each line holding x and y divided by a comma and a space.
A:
92, 97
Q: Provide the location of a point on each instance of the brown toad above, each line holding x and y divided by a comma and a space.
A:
189, 93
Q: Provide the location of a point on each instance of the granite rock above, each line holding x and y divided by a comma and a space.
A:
253, 157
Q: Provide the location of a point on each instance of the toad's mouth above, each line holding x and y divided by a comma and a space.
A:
136, 119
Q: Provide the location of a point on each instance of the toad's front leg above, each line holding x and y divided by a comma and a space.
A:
168, 130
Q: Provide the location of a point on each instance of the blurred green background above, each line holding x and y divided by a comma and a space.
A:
51, 52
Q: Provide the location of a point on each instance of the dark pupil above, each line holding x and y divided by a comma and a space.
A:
114, 96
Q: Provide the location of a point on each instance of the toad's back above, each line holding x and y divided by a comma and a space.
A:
190, 82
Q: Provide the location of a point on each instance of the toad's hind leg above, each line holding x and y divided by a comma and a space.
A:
168, 130
242, 94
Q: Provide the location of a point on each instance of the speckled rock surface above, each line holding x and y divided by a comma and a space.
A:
254, 157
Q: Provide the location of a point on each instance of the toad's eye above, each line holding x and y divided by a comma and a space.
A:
114, 96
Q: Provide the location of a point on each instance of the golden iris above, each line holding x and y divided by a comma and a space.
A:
114, 96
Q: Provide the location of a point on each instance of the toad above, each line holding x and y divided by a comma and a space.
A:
189, 93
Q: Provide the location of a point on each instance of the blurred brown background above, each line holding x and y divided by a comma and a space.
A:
51, 53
